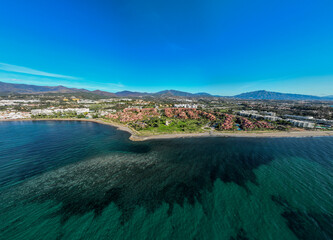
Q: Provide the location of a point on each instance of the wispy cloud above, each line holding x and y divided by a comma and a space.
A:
20, 78
25, 70
42, 81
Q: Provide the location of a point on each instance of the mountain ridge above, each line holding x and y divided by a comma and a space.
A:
270, 95
9, 88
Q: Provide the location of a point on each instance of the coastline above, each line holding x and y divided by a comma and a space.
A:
241, 134
116, 125
135, 136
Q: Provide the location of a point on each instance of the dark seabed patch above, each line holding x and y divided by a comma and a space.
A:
306, 224
173, 176
241, 235
89, 181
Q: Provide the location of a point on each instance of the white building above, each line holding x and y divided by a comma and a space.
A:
87, 101
303, 124
17, 102
269, 113
42, 112
51, 111
184, 105
14, 115
271, 116
299, 117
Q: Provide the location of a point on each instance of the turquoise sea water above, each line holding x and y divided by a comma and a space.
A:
82, 180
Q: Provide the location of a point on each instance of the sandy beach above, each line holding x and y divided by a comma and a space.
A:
237, 134
135, 136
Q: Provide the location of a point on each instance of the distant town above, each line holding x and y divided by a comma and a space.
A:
173, 114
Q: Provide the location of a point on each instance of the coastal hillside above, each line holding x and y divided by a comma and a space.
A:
131, 94
32, 89
266, 95
10, 88
176, 93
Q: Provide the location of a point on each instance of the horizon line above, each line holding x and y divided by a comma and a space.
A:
213, 95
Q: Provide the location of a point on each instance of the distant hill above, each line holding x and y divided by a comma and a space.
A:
131, 94
10, 88
165, 93
266, 95
33, 89
203, 94
173, 93
176, 93
103, 93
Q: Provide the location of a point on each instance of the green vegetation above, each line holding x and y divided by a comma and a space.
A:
60, 115
168, 125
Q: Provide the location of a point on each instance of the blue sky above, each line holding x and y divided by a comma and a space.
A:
216, 46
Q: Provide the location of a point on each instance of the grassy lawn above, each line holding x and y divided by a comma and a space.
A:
175, 126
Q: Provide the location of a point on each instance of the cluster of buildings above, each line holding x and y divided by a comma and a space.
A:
133, 114
136, 114
324, 122
302, 124
209, 116
228, 122
141, 102
182, 113
297, 121
17, 102
306, 118
271, 116
87, 101
14, 115
187, 113
311, 119
185, 105
108, 100
52, 111
133, 110
246, 124
242, 123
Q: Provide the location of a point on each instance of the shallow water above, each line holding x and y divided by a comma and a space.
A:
82, 180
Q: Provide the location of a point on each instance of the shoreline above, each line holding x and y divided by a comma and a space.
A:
134, 136
241, 134
117, 126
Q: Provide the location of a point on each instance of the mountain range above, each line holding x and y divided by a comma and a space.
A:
266, 95
33, 89
11, 88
